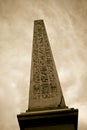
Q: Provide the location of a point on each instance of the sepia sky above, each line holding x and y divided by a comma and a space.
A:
66, 25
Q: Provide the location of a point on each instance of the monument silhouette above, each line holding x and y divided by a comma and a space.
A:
46, 109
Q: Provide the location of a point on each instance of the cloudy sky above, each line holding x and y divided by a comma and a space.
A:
66, 25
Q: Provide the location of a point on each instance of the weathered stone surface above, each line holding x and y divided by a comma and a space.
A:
45, 89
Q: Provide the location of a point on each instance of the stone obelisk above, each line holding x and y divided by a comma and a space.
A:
46, 109
45, 89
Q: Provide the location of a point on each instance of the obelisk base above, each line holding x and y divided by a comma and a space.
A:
57, 119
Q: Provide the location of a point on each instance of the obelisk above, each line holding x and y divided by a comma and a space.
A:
45, 89
46, 109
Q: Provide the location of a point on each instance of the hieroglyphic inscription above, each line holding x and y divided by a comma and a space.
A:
44, 85
45, 89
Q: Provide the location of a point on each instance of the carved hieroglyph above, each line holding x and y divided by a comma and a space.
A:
45, 90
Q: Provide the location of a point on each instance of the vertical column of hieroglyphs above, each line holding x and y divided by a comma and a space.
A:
43, 70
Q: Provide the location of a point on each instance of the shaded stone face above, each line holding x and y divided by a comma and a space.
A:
56, 127
45, 89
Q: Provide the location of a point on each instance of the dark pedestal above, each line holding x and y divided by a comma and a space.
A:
57, 119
